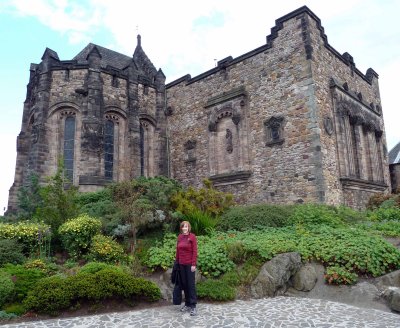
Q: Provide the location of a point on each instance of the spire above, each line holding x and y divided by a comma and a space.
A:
139, 40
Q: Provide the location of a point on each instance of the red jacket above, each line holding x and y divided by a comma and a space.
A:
186, 249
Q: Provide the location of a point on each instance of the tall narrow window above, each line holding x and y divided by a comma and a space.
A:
354, 144
69, 140
109, 149
141, 150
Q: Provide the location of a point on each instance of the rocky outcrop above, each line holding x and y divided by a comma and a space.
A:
305, 278
274, 275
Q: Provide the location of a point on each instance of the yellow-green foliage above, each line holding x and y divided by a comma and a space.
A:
106, 249
76, 234
31, 235
207, 200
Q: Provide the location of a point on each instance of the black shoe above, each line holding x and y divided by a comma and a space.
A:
193, 312
185, 308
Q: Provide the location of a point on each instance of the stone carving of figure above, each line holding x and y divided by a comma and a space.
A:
229, 142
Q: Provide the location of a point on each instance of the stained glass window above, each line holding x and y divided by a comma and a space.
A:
69, 140
109, 149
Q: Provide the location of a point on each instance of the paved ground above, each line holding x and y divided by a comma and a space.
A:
271, 312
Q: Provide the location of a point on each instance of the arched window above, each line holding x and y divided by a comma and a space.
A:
69, 141
109, 149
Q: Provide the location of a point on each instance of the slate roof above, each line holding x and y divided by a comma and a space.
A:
394, 154
108, 57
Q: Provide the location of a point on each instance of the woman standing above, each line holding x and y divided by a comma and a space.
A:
186, 257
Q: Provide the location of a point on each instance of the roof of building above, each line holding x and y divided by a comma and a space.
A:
108, 57
394, 154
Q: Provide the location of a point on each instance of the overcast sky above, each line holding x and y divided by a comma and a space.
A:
182, 37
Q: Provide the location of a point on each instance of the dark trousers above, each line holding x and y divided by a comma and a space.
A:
188, 285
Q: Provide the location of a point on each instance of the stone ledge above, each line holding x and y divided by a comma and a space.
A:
93, 180
230, 178
354, 183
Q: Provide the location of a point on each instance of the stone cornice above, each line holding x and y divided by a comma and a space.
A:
354, 183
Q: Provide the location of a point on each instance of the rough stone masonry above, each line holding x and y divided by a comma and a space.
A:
291, 121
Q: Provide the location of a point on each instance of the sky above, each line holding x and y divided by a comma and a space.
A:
182, 37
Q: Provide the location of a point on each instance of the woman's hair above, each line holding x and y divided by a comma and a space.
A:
183, 223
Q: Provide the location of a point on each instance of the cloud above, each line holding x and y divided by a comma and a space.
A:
75, 19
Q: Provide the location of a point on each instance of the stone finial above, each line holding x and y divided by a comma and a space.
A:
139, 40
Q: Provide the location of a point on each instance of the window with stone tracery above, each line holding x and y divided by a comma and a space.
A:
108, 149
146, 148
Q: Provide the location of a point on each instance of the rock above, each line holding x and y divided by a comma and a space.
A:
390, 279
392, 296
275, 274
305, 279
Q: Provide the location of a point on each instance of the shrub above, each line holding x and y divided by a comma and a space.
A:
34, 237
7, 316
50, 295
316, 214
24, 279
385, 214
106, 249
76, 234
339, 276
201, 223
6, 287
377, 199
93, 267
217, 290
10, 252
15, 308
207, 200
236, 252
253, 216
57, 293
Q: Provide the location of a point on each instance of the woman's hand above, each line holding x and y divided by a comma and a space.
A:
193, 268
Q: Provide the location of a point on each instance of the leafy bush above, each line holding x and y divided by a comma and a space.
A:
15, 308
10, 252
106, 249
6, 287
207, 200
50, 295
248, 217
34, 237
7, 316
316, 214
388, 228
201, 223
385, 214
236, 252
76, 234
57, 293
24, 279
339, 276
93, 267
216, 290
378, 199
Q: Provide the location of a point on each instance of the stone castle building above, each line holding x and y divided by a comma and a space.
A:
289, 122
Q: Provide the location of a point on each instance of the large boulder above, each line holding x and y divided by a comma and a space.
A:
390, 279
305, 279
392, 296
275, 274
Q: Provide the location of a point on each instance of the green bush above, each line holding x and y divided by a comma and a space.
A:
24, 279
57, 293
76, 234
93, 267
47, 268
216, 290
106, 249
316, 214
207, 200
10, 252
15, 308
252, 216
339, 276
34, 237
200, 222
385, 214
6, 288
50, 295
7, 316
388, 228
